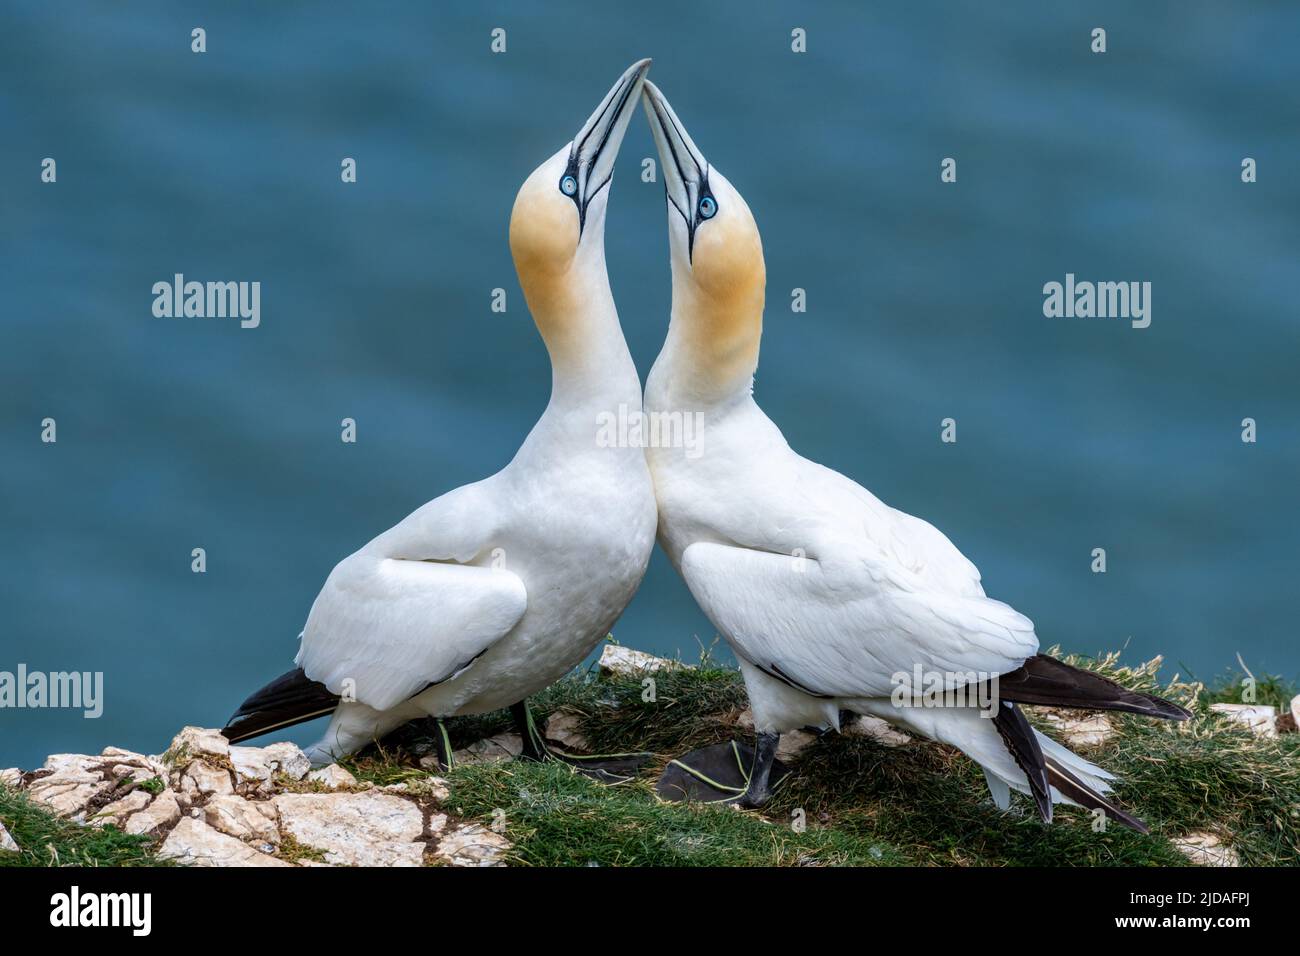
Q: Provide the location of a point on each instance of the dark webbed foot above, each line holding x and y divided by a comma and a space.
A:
604, 768
725, 773
760, 786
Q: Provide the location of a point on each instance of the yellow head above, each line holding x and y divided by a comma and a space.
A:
557, 227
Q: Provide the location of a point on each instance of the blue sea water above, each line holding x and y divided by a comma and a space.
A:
924, 302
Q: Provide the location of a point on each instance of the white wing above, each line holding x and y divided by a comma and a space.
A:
845, 629
914, 545
392, 626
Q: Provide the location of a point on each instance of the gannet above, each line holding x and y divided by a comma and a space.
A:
827, 595
496, 589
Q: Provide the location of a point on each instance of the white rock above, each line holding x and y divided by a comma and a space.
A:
1260, 718
355, 829
250, 763
245, 819
195, 843
334, 777
1295, 716
792, 742
471, 844
117, 811
490, 750
140, 766
7, 844
68, 792
161, 813
120, 771
207, 779
64, 763
287, 758
625, 662
564, 727
200, 742
13, 777
123, 755
1206, 849
1080, 730
438, 788
881, 731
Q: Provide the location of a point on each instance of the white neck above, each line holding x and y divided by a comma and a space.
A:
592, 373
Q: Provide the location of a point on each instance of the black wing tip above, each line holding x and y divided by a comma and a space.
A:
1168, 709
234, 734
292, 698
1018, 736
1071, 786
1046, 681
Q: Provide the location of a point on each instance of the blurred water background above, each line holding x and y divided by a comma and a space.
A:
924, 302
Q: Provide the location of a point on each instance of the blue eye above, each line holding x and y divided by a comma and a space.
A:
568, 185
708, 208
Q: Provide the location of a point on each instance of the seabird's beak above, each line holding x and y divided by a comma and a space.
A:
685, 170
594, 149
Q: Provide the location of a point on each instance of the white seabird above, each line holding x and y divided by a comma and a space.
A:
826, 594
495, 590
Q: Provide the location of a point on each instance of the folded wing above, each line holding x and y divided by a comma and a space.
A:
384, 629
845, 630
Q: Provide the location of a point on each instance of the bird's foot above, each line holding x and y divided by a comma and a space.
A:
603, 768
723, 773
754, 796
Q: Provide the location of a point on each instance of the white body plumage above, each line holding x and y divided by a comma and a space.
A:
825, 593
495, 590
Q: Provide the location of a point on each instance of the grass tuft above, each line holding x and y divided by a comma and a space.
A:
557, 817
46, 840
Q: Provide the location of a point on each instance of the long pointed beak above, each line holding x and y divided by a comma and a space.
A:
591, 158
685, 170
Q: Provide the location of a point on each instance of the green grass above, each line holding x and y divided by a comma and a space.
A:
868, 804
557, 817
1205, 774
1269, 690
45, 840
862, 803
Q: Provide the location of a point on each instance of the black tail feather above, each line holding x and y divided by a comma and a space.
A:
1071, 786
292, 698
1020, 740
1045, 680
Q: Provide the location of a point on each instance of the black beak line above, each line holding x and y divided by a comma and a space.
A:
606, 120
701, 172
